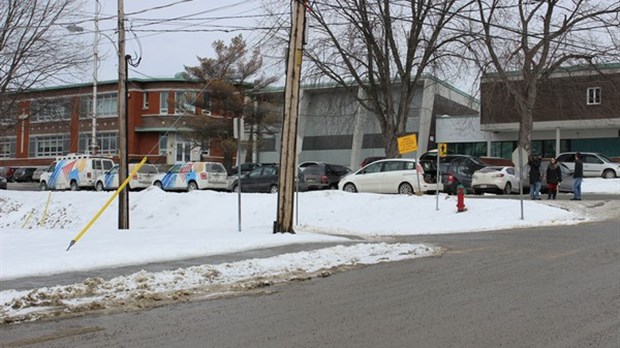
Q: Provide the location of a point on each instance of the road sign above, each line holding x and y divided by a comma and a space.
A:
408, 143
443, 149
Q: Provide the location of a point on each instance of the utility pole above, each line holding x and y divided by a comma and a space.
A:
288, 146
123, 197
93, 134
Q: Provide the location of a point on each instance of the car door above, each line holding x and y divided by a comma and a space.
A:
250, 182
392, 175
592, 165
568, 159
268, 177
369, 179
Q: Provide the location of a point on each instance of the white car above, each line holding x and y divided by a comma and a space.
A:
397, 175
496, 179
142, 179
191, 176
594, 164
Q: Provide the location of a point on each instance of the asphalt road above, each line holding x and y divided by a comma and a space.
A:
539, 287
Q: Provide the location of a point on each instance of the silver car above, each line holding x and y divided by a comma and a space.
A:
594, 164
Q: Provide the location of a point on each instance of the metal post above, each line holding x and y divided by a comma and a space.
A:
93, 134
288, 147
238, 125
123, 197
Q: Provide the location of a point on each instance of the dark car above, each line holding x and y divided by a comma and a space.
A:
260, 179
245, 168
3, 183
455, 170
322, 176
7, 172
24, 174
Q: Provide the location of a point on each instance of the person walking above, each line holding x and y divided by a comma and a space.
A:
577, 178
535, 179
554, 178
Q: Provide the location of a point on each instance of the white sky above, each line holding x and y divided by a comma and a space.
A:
173, 226
199, 24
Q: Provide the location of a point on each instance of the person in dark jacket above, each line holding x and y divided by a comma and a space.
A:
535, 177
554, 178
578, 178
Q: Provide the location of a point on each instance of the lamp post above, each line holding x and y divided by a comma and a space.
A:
77, 29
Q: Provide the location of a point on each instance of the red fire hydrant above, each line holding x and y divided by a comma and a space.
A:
460, 199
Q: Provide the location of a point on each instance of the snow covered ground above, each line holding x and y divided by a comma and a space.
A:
36, 228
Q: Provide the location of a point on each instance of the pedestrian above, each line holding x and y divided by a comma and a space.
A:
535, 177
554, 178
577, 177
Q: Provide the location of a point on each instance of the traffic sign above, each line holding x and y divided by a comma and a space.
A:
408, 143
443, 149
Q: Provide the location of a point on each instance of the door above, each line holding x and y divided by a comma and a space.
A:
369, 180
393, 174
592, 165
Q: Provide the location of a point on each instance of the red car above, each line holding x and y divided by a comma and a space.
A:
7, 172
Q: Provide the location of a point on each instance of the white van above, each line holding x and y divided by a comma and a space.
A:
74, 172
193, 176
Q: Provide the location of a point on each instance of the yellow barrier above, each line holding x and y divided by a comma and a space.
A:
49, 197
105, 206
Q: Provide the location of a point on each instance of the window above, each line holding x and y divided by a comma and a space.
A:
107, 105
145, 100
163, 103
373, 168
184, 102
7, 147
184, 150
47, 146
393, 166
163, 143
56, 109
594, 96
107, 143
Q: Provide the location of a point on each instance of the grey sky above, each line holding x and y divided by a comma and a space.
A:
167, 38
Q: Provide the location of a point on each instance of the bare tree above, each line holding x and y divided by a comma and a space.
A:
385, 47
229, 80
34, 49
524, 43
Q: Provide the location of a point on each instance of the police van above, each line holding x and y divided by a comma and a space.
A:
74, 172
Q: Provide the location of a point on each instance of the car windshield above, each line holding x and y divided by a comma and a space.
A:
605, 158
313, 170
490, 169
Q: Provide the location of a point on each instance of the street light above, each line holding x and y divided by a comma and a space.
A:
77, 29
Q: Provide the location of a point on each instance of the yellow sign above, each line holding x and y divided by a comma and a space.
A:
443, 149
408, 143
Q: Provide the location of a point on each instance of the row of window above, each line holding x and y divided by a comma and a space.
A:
59, 109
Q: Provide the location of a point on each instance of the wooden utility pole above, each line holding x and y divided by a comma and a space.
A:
123, 197
288, 146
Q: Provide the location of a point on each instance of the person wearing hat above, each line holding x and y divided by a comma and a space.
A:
577, 178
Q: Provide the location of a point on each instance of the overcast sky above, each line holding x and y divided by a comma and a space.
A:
168, 34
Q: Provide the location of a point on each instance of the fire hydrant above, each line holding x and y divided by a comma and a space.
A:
460, 199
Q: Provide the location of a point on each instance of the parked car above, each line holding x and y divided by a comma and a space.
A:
191, 176
245, 168
322, 176
397, 175
36, 176
23, 174
3, 183
7, 172
141, 180
567, 177
74, 171
454, 169
261, 179
495, 179
594, 164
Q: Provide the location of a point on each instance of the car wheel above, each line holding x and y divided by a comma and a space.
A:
235, 188
157, 184
43, 186
507, 189
99, 186
349, 188
273, 189
74, 186
609, 174
192, 186
405, 189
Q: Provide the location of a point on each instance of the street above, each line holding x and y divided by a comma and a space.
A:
537, 287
